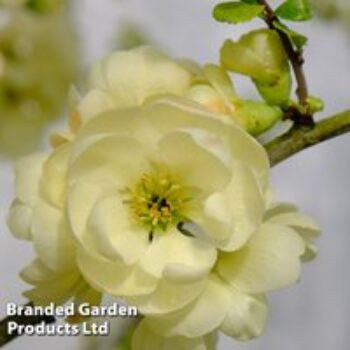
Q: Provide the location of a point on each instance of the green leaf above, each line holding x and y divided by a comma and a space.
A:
43, 6
297, 39
315, 104
278, 93
258, 54
295, 10
251, 1
236, 12
257, 117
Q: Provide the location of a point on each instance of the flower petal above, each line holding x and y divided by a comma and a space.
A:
111, 160
271, 260
304, 226
279, 208
177, 257
36, 272
112, 232
145, 339
54, 178
49, 286
132, 76
113, 277
81, 199
173, 113
94, 103
51, 237
189, 161
246, 316
28, 172
19, 219
168, 297
233, 215
203, 315
129, 122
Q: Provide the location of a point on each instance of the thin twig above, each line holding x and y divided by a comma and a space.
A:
295, 55
5, 337
303, 137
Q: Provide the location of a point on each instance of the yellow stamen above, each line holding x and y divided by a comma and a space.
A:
156, 201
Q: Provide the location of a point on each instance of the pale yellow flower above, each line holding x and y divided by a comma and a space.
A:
123, 188
136, 176
160, 201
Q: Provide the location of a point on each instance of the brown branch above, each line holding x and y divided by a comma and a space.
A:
300, 138
295, 55
5, 337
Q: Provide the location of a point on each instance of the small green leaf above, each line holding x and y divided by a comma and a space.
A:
43, 6
236, 12
297, 39
251, 1
295, 10
278, 93
315, 104
257, 117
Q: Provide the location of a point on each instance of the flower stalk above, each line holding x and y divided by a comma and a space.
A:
302, 137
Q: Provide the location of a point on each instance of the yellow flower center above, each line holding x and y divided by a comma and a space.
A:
157, 202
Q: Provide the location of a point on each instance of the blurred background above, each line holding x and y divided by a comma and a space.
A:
313, 314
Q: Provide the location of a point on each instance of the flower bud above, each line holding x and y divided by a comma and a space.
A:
261, 56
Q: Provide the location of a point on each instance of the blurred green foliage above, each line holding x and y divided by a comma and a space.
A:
38, 62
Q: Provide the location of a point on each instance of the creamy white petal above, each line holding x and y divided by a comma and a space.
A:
306, 227
168, 297
211, 142
54, 178
246, 316
50, 286
204, 315
177, 257
57, 288
113, 277
95, 102
174, 113
19, 219
112, 160
113, 233
36, 272
129, 122
132, 76
303, 224
189, 161
279, 208
28, 172
51, 237
231, 216
207, 96
220, 80
145, 339
81, 199
270, 261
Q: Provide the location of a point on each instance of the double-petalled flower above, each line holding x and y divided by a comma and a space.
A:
161, 201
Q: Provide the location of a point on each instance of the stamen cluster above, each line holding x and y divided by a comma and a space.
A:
156, 201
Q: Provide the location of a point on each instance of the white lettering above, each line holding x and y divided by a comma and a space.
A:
11, 327
11, 309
